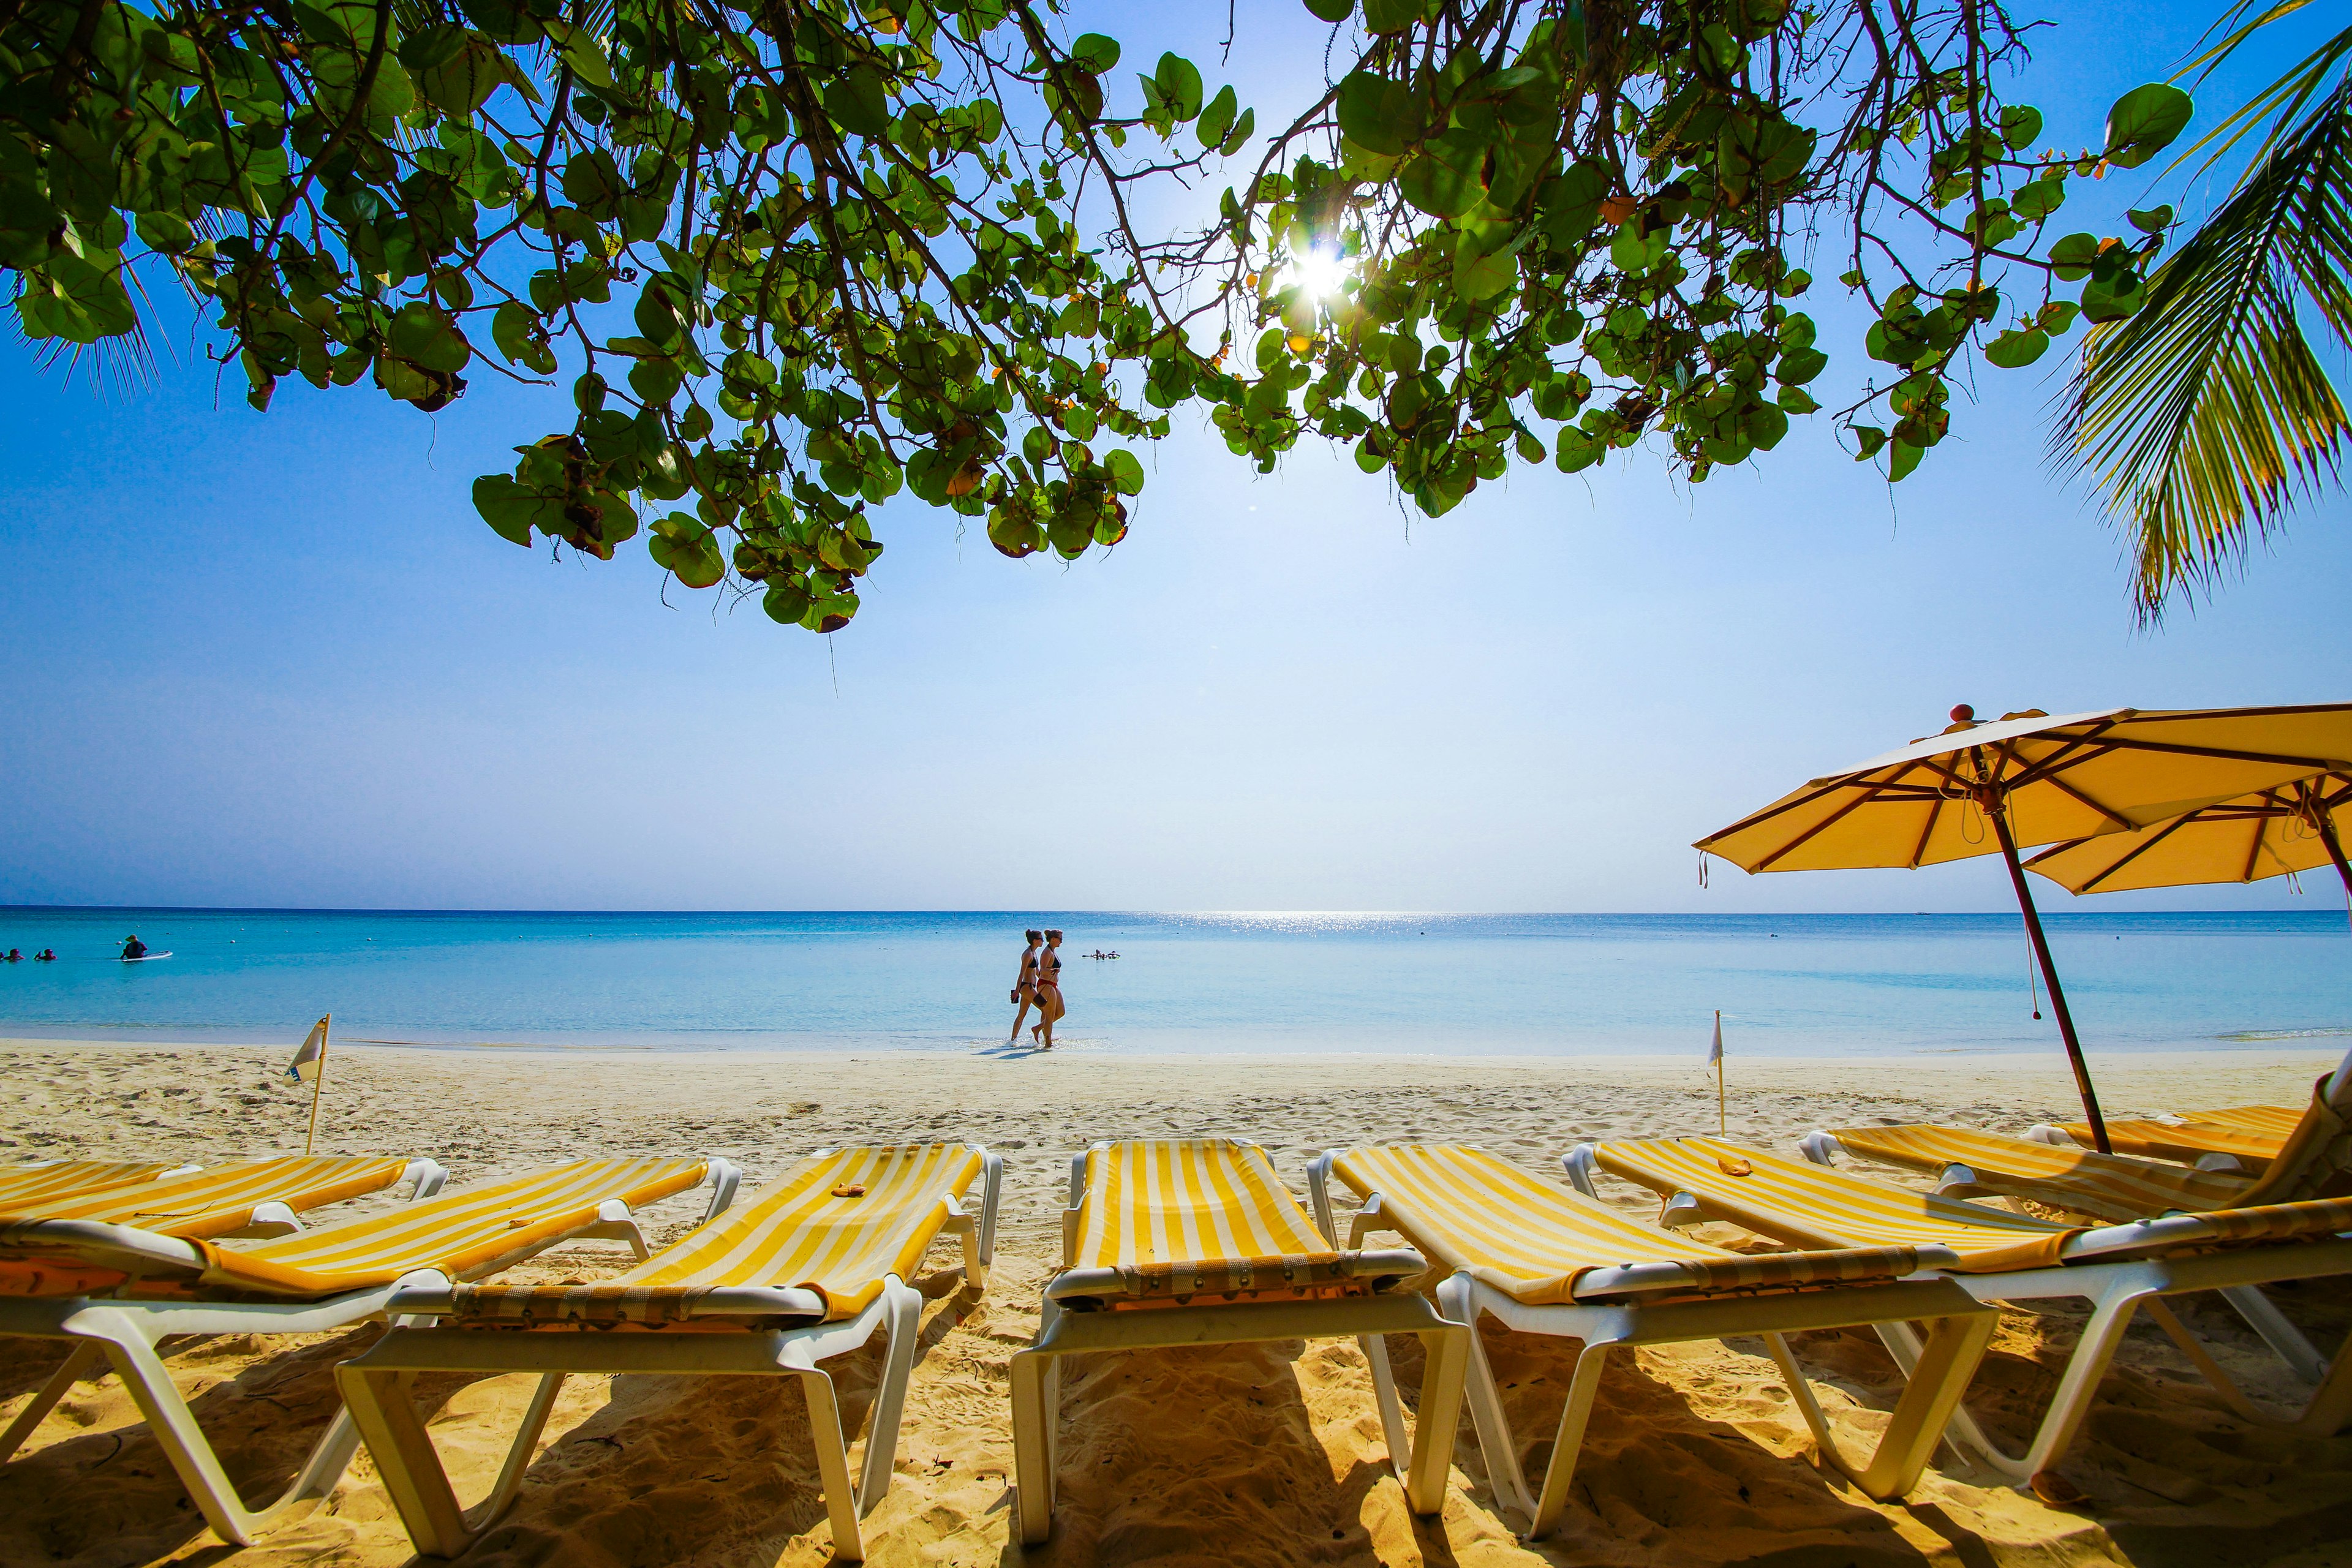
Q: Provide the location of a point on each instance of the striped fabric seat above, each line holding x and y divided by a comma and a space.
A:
1534, 1240
463, 1234
29, 1186
2079, 1180
1807, 1205
222, 1198
1176, 1217
837, 1226
2190, 1137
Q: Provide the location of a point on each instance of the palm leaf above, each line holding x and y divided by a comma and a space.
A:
2278, 103
2202, 417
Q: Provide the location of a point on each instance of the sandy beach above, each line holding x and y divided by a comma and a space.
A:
1263, 1455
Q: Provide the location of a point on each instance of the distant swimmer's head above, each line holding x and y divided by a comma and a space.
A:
1036, 936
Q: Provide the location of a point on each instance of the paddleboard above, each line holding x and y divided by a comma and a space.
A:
147, 958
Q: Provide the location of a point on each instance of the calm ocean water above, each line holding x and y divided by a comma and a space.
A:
1788, 984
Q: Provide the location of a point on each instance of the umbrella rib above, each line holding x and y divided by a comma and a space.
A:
1919, 849
2142, 847
1840, 814
1755, 819
2227, 754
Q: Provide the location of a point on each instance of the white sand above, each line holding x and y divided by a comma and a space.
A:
1263, 1455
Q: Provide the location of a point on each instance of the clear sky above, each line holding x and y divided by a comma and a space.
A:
278, 660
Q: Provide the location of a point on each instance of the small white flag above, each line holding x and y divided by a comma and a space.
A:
309, 1060
1715, 1052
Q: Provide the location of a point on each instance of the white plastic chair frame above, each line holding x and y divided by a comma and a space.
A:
2109, 1268
1947, 1360
272, 1219
2261, 1314
1420, 1457
126, 1332
375, 1385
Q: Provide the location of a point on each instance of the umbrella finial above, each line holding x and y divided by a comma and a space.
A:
1962, 713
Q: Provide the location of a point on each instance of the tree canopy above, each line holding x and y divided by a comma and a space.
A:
794, 256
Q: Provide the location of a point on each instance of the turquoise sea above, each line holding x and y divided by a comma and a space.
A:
1573, 984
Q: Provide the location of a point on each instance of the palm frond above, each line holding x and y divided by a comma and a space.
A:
2202, 417
2277, 104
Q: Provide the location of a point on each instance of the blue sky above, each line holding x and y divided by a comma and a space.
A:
278, 660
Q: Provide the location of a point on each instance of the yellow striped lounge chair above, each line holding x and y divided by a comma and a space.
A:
117, 1290
1999, 1256
1969, 1164
1196, 1242
805, 1272
245, 1198
1546, 1260
2235, 1138
31, 1185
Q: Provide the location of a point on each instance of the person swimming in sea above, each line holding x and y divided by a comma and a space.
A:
1024, 989
46, 956
133, 948
1049, 992
14, 956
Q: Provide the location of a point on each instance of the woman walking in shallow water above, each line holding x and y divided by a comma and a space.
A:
1024, 989
1049, 992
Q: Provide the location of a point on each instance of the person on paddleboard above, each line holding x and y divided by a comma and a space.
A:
133, 948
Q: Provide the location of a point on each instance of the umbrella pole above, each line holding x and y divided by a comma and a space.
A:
2050, 979
2334, 850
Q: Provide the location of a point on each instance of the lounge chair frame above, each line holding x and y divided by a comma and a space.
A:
2117, 1270
1419, 1457
1944, 1361
375, 1385
126, 1331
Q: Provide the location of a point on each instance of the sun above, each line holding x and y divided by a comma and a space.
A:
1321, 272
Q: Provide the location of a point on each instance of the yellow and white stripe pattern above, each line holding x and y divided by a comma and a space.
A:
1176, 1217
836, 1226
221, 1199
2190, 1138
25, 1188
462, 1233
1533, 1240
1806, 1206
2109, 1186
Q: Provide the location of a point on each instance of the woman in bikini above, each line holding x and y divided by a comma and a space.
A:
1049, 992
1024, 989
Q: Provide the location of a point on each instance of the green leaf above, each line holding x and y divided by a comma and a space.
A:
1477, 277
2037, 199
1179, 81
512, 511
2154, 221
2144, 122
2014, 349
1871, 439
1094, 53
858, 103
1242, 130
1902, 458
1332, 11
786, 601
2071, 255
1443, 179
1217, 119
1378, 114
1126, 473
687, 548
2020, 124
1392, 16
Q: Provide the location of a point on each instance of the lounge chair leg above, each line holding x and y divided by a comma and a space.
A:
483, 1514
142, 1372
381, 1407
1385, 1399
2261, 1315
86, 1353
1034, 1418
1961, 1430
833, 1464
1800, 1390
1946, 1364
1583, 1383
1445, 1356
906, 1322
1457, 1298
2083, 1370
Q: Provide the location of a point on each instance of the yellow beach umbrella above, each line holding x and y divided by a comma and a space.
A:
2298, 827
2028, 778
